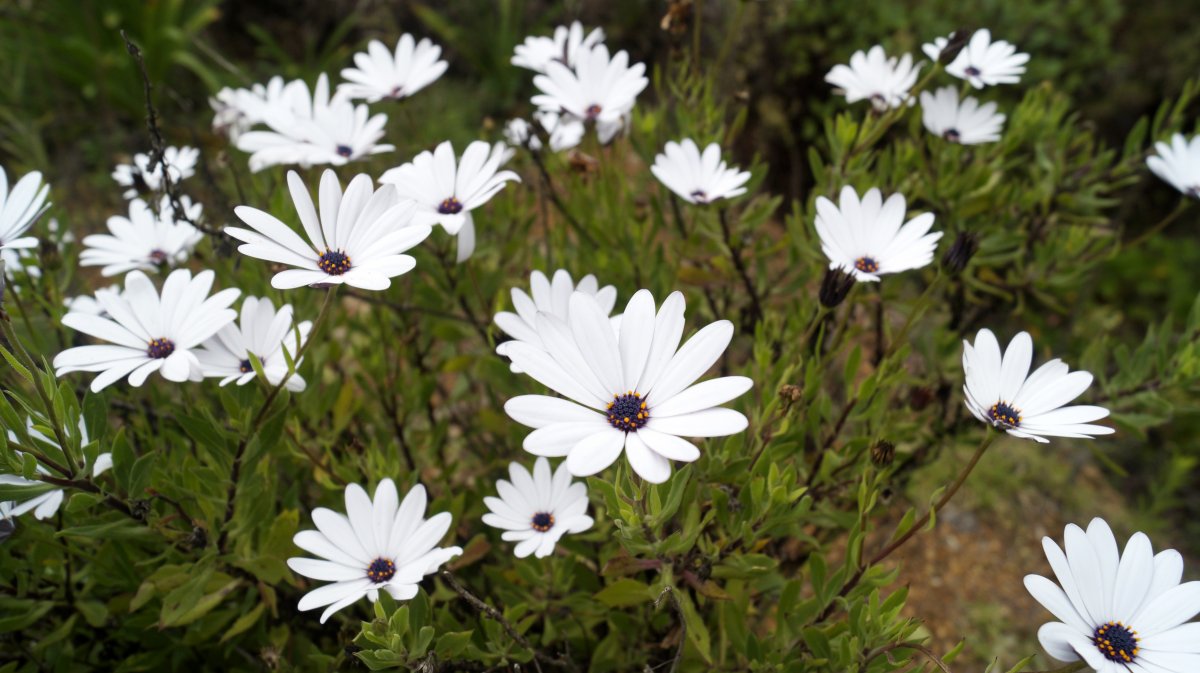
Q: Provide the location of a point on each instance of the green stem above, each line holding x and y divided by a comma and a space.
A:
1157, 228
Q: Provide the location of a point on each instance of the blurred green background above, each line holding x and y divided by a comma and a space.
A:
72, 107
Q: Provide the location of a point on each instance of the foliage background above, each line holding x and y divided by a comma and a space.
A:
410, 375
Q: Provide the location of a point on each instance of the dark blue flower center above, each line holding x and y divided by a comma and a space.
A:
381, 570
972, 71
952, 135
628, 412
450, 206
1004, 415
345, 151
246, 367
592, 111
160, 348
158, 256
334, 262
866, 264
543, 521
699, 196
1116, 642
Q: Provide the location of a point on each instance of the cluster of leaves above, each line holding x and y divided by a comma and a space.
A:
769, 553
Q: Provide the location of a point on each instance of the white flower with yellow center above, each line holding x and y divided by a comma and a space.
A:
873, 76
537, 52
968, 123
1118, 612
385, 75
633, 392
869, 238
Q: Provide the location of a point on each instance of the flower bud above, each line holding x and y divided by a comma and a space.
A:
883, 453
960, 253
958, 40
834, 287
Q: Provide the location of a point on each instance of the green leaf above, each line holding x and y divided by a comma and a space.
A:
244, 622
452, 645
624, 593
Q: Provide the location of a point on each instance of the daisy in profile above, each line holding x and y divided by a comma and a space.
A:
382, 74
695, 177
553, 298
535, 510
445, 191
144, 240
635, 392
1000, 391
358, 239
982, 62
874, 77
563, 131
967, 124
142, 175
1117, 612
869, 237
260, 330
19, 209
538, 52
1178, 164
235, 111
378, 545
46, 504
149, 332
314, 129
598, 89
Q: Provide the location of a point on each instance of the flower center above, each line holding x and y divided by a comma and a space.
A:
345, 151
878, 102
972, 71
334, 262
543, 521
381, 570
397, 92
628, 412
1193, 191
952, 135
592, 111
1002, 414
866, 264
246, 367
450, 206
1116, 642
699, 196
160, 348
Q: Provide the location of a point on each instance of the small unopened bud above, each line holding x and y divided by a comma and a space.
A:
883, 453
958, 40
790, 393
834, 287
960, 253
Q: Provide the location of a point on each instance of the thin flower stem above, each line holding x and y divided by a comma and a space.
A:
678, 658
257, 422
1157, 228
558, 202
735, 251
917, 525
492, 613
919, 308
929, 654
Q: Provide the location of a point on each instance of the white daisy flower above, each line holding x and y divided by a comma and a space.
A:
630, 392
1118, 612
314, 129
536, 510
1001, 391
45, 505
695, 177
149, 332
377, 545
874, 77
552, 297
445, 191
869, 238
982, 62
236, 110
19, 209
266, 333
144, 240
1178, 164
598, 89
382, 74
142, 175
538, 52
357, 239
967, 124
564, 131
